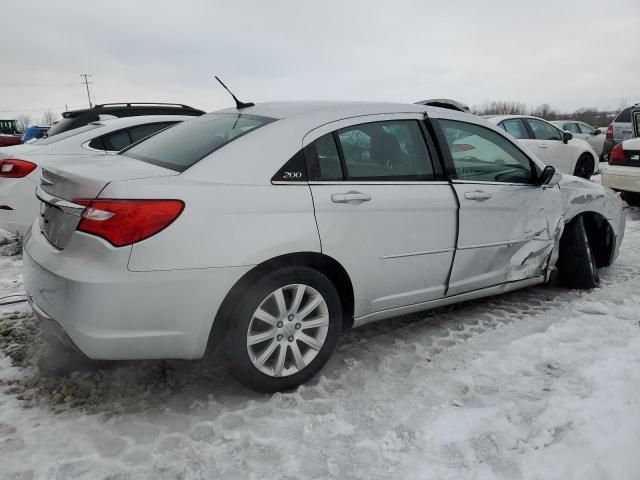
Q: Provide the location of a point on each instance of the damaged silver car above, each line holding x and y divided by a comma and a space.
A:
270, 229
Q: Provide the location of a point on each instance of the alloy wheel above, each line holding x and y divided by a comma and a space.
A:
287, 330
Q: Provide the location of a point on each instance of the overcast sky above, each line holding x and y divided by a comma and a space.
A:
567, 53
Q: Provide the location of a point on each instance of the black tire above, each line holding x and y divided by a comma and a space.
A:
585, 166
632, 198
577, 262
237, 327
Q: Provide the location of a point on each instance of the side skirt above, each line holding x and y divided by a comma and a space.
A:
441, 302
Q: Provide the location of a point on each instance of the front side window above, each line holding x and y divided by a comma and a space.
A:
389, 150
184, 145
584, 128
480, 154
572, 127
515, 127
543, 130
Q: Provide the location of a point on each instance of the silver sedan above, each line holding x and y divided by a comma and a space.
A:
272, 229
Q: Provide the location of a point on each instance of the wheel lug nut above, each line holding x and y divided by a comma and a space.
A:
290, 338
290, 317
280, 324
298, 326
279, 337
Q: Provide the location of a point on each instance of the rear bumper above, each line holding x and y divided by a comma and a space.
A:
625, 179
115, 314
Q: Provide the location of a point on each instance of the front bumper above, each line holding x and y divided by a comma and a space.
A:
111, 313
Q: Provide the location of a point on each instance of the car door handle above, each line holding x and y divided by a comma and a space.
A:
543, 145
478, 195
350, 197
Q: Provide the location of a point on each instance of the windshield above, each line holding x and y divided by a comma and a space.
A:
184, 145
69, 133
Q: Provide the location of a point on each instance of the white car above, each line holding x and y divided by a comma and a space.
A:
550, 144
20, 165
593, 136
273, 228
623, 172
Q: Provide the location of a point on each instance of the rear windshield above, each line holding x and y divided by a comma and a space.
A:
69, 133
624, 115
61, 126
186, 144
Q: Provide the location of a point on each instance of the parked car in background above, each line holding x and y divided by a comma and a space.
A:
33, 133
619, 130
586, 132
10, 133
272, 229
20, 165
623, 172
79, 118
551, 144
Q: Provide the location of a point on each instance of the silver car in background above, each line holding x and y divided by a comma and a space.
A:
272, 229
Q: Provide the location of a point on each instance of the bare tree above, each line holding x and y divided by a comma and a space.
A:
49, 117
500, 107
24, 119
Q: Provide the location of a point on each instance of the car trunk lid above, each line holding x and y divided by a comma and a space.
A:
64, 183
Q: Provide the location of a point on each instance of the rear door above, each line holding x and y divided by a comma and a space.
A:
506, 221
550, 147
382, 208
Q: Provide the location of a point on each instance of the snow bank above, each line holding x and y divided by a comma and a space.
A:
538, 384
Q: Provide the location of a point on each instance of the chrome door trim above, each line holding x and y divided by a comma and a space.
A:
506, 242
415, 254
484, 182
393, 182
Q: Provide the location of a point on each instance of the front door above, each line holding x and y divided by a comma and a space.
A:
547, 143
381, 209
507, 223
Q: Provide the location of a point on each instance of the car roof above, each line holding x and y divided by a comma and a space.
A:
330, 109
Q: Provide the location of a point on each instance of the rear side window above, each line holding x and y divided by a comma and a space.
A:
186, 144
323, 159
543, 130
515, 127
116, 141
624, 115
142, 131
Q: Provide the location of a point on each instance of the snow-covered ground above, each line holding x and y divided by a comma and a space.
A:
539, 384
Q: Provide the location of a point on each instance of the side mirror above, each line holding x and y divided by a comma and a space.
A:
596, 132
566, 136
549, 176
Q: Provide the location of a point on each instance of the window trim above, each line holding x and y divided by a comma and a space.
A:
390, 179
452, 174
524, 124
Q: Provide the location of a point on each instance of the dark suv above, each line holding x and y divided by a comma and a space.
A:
80, 118
619, 130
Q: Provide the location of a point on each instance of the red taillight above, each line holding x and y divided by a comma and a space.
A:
16, 168
125, 222
609, 134
617, 155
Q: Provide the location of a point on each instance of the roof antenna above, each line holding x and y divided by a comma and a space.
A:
239, 104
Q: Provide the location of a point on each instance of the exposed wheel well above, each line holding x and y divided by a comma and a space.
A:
600, 235
323, 263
